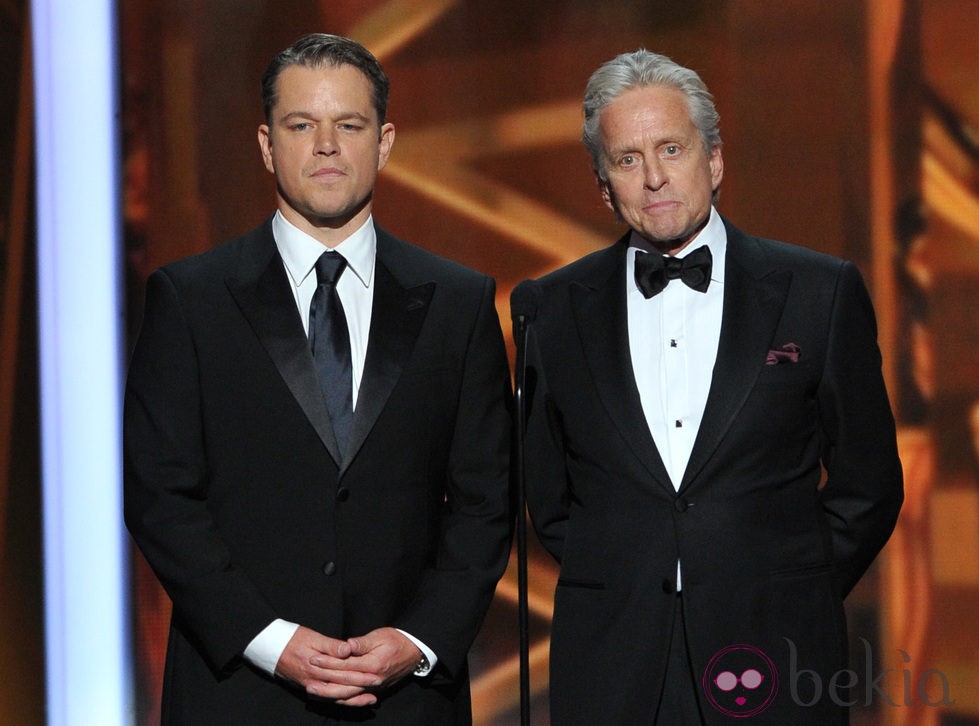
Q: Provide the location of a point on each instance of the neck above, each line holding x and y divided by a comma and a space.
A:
329, 231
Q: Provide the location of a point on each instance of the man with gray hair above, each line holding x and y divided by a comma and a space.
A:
690, 384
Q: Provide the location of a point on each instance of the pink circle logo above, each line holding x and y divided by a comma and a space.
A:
740, 681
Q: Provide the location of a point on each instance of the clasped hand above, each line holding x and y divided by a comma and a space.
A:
349, 672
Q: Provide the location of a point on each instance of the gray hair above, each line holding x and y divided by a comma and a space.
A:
644, 68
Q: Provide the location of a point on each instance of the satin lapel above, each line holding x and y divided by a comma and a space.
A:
397, 315
261, 290
599, 306
754, 295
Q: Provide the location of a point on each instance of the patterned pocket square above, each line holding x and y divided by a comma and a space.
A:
788, 353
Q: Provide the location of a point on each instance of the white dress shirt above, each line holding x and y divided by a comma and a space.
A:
299, 253
673, 339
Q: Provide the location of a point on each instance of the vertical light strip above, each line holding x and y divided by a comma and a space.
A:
77, 142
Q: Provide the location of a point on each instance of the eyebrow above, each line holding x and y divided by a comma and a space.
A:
629, 148
341, 117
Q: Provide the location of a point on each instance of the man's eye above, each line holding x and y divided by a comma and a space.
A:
627, 160
301, 126
672, 150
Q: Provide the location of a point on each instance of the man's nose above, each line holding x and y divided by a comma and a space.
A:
326, 141
654, 176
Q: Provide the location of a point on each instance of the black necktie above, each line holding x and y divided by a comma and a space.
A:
330, 343
654, 271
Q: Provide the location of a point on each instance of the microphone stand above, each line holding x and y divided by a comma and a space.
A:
520, 339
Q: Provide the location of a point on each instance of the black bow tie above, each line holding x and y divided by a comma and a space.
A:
654, 271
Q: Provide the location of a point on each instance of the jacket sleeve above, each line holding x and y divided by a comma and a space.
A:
476, 524
166, 486
864, 490
545, 471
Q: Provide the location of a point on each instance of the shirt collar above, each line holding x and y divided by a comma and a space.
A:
300, 251
714, 235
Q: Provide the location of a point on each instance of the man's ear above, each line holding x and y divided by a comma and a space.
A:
606, 191
385, 143
265, 144
716, 162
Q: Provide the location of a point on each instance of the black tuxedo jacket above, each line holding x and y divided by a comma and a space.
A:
236, 495
767, 553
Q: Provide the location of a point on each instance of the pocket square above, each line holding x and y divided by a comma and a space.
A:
788, 353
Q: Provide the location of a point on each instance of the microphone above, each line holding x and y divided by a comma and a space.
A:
524, 301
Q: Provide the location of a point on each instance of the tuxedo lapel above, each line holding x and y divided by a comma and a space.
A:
261, 289
754, 295
397, 314
599, 306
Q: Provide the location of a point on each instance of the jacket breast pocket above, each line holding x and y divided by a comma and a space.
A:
430, 366
782, 399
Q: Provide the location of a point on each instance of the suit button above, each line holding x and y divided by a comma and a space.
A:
343, 494
329, 568
681, 505
668, 586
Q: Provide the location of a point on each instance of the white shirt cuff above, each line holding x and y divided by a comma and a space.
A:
426, 651
266, 648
